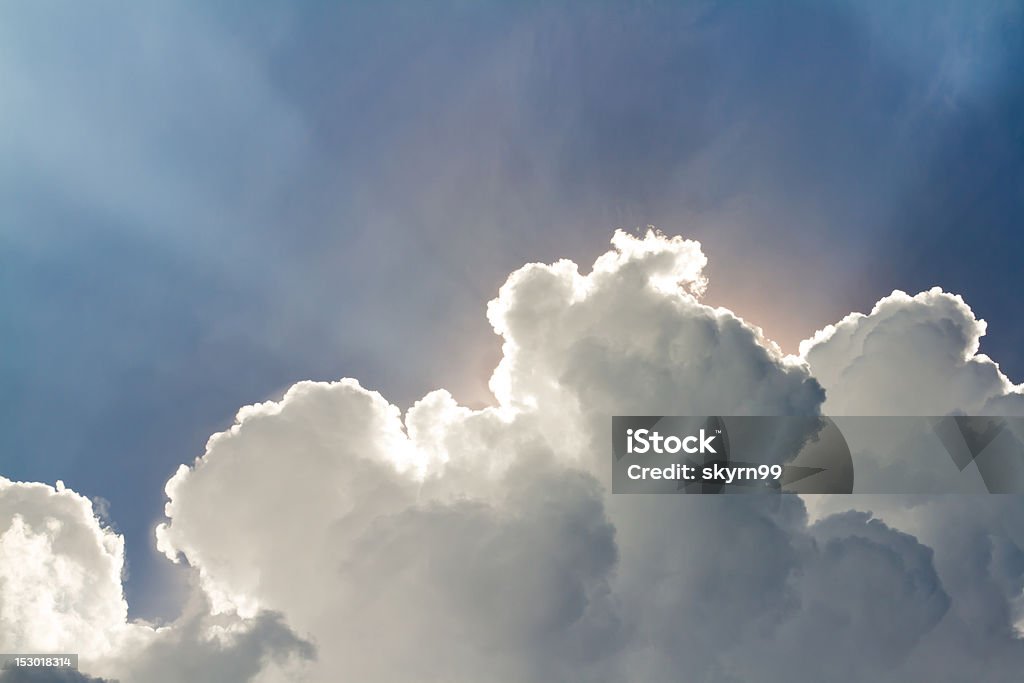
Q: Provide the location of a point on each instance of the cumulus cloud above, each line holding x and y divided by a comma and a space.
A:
61, 592
334, 538
919, 355
912, 355
60, 573
27, 675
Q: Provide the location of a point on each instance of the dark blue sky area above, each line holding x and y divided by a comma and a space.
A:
203, 203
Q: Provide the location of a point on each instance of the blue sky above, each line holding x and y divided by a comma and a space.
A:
205, 203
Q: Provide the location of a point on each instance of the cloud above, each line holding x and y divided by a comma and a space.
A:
912, 355
919, 355
212, 649
61, 592
60, 573
26, 675
334, 538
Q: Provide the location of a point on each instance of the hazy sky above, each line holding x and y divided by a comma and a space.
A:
202, 204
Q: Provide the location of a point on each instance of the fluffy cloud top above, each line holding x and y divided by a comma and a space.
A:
60, 592
60, 573
910, 356
335, 539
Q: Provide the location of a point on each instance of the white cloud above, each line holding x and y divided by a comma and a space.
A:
919, 356
910, 356
60, 592
463, 545
60, 573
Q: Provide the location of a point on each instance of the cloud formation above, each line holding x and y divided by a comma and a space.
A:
912, 355
60, 573
334, 538
26, 675
61, 592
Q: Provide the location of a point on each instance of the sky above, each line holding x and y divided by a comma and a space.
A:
204, 204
